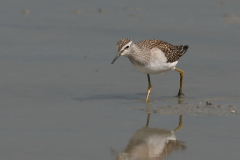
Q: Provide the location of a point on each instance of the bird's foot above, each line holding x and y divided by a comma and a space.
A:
180, 93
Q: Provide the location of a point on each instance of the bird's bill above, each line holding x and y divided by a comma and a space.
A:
118, 55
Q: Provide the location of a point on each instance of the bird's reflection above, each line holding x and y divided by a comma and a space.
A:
152, 143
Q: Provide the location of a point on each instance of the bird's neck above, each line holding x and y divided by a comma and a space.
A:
136, 56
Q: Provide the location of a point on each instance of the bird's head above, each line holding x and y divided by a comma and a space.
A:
124, 47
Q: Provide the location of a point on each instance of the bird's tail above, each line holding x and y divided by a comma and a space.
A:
182, 49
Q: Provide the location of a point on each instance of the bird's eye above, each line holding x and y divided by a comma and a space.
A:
126, 47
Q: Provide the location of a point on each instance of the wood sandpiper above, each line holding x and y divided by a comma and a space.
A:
152, 57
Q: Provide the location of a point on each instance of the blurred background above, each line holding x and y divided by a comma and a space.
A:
60, 98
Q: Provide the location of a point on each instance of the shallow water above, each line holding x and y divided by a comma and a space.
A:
62, 99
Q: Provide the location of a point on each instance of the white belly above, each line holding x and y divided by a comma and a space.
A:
157, 62
156, 67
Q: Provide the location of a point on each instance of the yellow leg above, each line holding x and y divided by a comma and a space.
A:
180, 93
180, 124
149, 87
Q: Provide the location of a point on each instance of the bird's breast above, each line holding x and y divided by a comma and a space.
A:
154, 62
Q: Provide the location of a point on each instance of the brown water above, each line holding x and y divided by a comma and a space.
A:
62, 99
